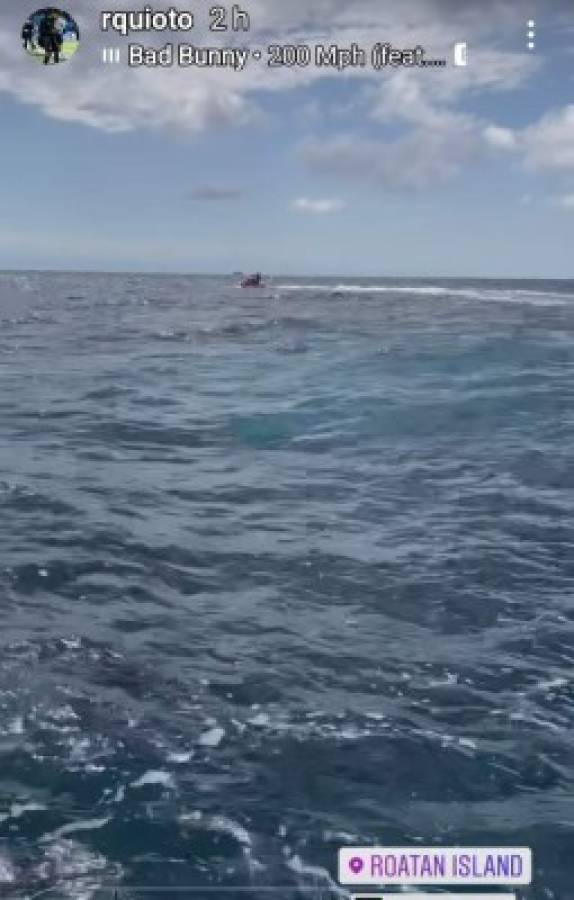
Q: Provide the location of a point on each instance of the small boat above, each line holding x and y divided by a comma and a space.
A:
251, 281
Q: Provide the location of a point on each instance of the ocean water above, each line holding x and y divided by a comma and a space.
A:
282, 571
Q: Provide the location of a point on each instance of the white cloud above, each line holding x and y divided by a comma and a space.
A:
440, 142
546, 144
115, 98
436, 138
112, 101
501, 138
428, 98
549, 143
566, 201
318, 207
433, 140
416, 161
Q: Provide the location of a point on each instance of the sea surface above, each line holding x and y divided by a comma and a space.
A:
282, 571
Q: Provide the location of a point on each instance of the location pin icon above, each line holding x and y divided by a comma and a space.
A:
355, 864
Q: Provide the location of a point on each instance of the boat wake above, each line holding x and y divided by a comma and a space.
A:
501, 295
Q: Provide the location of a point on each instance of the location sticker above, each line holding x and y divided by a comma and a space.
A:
468, 866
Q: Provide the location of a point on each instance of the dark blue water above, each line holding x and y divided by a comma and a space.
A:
282, 571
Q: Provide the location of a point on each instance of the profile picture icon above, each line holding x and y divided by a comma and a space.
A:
50, 35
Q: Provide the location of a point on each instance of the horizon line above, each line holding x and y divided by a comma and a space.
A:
235, 274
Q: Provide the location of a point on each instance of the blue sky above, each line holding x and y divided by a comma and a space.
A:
407, 172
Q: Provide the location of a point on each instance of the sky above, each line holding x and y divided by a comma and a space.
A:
453, 171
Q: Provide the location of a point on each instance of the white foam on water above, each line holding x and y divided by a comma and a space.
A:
20, 809
319, 724
260, 720
73, 827
225, 825
190, 818
511, 295
119, 794
154, 777
447, 741
73, 643
551, 684
351, 733
297, 865
7, 871
431, 290
212, 738
342, 837
254, 865
180, 758
228, 826
466, 742
450, 678
16, 726
507, 295
75, 871
80, 748
535, 720
63, 712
